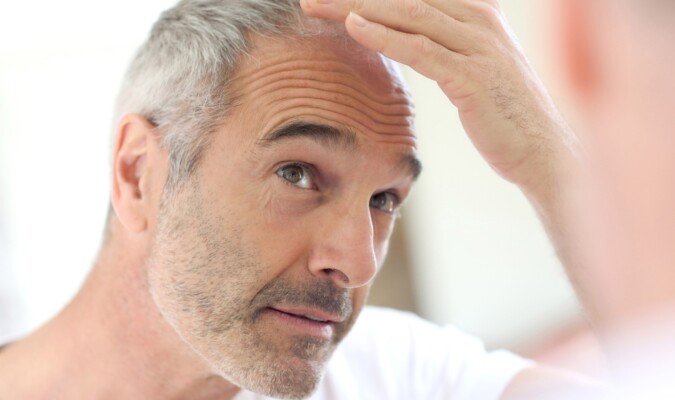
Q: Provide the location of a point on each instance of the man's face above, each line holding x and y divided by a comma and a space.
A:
263, 260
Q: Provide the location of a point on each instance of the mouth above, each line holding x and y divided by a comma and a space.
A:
315, 315
311, 322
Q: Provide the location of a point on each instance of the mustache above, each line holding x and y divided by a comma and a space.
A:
317, 294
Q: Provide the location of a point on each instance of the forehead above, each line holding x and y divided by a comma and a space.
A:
325, 79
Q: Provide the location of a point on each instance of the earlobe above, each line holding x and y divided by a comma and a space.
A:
131, 191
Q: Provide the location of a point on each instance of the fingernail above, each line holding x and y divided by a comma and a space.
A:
358, 20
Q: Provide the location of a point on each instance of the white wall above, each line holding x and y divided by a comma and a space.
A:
481, 256
60, 66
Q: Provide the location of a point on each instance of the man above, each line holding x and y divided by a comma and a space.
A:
259, 161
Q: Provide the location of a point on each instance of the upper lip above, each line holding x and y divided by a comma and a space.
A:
310, 312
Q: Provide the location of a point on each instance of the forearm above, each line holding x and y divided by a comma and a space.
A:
553, 192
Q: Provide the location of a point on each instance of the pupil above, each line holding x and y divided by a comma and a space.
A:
293, 174
380, 201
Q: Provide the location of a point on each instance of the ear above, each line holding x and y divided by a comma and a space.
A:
137, 172
576, 44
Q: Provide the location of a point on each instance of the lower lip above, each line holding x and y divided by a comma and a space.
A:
302, 325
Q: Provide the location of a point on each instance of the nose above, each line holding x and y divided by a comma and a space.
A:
344, 249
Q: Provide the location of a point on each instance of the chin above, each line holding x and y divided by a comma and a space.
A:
292, 379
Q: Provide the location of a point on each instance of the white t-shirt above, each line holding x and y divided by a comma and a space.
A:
392, 355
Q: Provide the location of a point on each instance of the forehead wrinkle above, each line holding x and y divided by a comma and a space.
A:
362, 123
397, 120
370, 100
252, 81
382, 131
394, 108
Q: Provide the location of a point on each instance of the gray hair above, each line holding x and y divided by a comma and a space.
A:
179, 77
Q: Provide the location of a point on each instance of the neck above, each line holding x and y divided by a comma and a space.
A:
109, 342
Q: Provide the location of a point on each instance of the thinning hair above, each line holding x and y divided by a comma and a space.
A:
179, 78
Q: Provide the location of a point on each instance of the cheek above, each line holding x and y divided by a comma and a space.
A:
382, 230
269, 219
359, 298
281, 231
203, 264
281, 204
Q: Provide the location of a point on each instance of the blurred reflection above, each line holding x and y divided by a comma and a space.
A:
620, 59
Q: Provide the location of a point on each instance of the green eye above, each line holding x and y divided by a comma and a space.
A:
385, 201
297, 175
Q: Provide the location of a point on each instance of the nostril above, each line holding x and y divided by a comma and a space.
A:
337, 274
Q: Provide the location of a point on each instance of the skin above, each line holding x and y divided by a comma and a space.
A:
185, 297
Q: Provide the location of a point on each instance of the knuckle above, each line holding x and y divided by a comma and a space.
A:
415, 55
415, 9
488, 13
422, 45
494, 18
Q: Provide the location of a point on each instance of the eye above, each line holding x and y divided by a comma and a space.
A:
296, 174
385, 201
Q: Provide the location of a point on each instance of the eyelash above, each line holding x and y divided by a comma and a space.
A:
396, 202
309, 170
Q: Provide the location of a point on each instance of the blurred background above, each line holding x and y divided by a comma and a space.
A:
468, 251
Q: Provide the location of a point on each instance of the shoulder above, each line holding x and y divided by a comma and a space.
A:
393, 354
412, 336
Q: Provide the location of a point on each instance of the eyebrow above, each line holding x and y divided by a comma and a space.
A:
331, 136
413, 164
324, 134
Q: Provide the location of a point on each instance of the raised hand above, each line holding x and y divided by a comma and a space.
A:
467, 47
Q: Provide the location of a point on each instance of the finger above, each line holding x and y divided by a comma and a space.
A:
339, 9
479, 12
326, 9
485, 13
417, 51
408, 16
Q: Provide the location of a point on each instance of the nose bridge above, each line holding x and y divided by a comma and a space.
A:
346, 247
